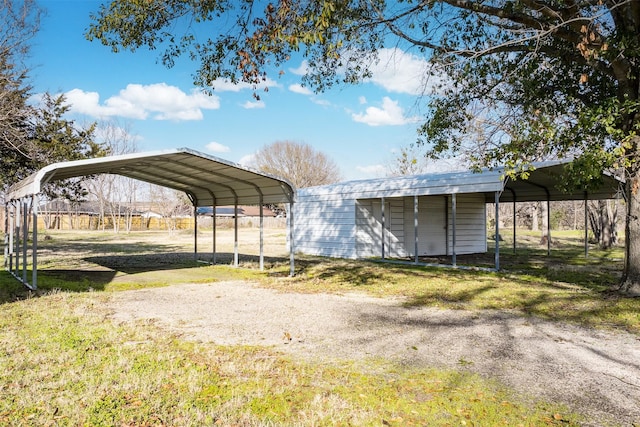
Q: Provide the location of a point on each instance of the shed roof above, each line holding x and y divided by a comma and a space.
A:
542, 183
206, 179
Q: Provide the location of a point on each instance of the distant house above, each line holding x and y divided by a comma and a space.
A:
243, 211
150, 214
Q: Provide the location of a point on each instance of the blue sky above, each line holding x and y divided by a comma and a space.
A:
360, 127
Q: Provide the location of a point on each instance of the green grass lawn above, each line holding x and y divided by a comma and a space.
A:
64, 362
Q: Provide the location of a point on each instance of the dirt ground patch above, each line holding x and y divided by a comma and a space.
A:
594, 372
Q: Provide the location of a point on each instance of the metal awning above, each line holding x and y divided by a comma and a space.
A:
207, 180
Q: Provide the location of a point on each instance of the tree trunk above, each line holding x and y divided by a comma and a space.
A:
534, 216
545, 238
631, 277
610, 235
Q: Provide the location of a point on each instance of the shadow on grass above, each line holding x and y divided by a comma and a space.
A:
96, 270
456, 298
566, 288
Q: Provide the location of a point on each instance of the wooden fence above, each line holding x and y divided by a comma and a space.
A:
74, 221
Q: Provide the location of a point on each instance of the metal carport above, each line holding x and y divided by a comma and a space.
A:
207, 181
329, 216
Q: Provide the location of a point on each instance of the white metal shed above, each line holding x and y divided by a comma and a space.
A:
420, 215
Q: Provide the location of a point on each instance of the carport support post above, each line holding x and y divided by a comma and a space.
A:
453, 228
235, 233
6, 235
383, 224
11, 232
497, 235
25, 241
415, 226
548, 225
291, 237
195, 232
17, 236
34, 272
261, 235
514, 224
213, 244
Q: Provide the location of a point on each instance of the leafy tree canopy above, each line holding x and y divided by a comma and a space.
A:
33, 136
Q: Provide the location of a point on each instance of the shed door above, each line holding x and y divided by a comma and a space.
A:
432, 225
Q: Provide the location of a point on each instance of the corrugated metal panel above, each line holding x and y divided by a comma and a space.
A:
432, 230
435, 226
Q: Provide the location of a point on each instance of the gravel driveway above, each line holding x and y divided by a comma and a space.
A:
594, 372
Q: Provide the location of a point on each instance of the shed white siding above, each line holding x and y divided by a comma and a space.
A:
369, 229
325, 228
471, 229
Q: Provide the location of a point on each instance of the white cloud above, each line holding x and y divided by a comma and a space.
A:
391, 114
298, 88
228, 86
400, 72
160, 101
247, 160
216, 147
362, 100
372, 170
250, 105
321, 102
302, 69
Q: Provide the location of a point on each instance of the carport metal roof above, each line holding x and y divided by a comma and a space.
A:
207, 180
